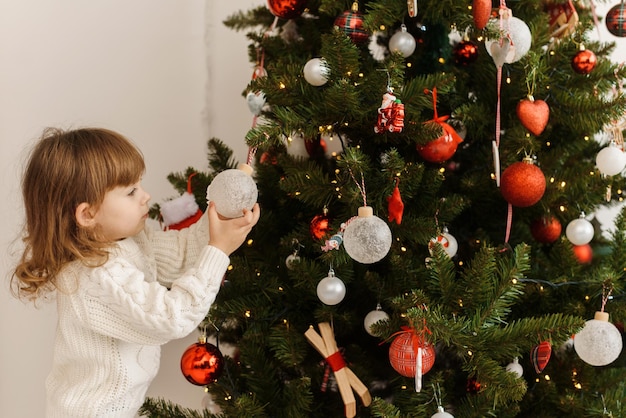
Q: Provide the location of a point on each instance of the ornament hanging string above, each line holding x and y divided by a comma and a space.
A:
440, 120
360, 186
606, 295
258, 72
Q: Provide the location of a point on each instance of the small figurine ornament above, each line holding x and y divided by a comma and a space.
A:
390, 114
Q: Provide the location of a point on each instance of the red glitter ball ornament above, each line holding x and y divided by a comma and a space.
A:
351, 23
465, 53
546, 229
202, 363
616, 20
286, 9
584, 61
319, 226
523, 183
403, 354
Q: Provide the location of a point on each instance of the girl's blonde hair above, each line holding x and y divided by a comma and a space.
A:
65, 169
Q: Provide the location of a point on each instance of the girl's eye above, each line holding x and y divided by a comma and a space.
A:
132, 192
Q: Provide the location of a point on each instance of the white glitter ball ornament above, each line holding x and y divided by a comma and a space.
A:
232, 191
611, 160
373, 317
599, 343
367, 238
331, 290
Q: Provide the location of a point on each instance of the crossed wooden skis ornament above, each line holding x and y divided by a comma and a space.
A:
346, 379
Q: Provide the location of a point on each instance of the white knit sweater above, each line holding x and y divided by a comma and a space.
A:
113, 319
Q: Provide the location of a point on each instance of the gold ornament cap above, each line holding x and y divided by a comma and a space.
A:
246, 168
366, 211
601, 316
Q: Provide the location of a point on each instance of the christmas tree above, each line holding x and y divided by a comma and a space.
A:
428, 173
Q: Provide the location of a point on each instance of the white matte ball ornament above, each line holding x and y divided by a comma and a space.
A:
599, 343
316, 72
232, 191
331, 290
579, 231
441, 413
402, 42
519, 34
367, 238
515, 367
611, 160
373, 317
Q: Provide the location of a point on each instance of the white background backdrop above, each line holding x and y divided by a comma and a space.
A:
165, 73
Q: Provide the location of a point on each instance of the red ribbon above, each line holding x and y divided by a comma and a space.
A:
336, 361
440, 120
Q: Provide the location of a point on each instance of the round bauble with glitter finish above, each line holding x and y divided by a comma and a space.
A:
522, 183
402, 42
599, 342
546, 229
403, 354
518, 34
465, 53
441, 413
316, 72
367, 238
202, 363
616, 20
351, 23
373, 317
286, 9
331, 290
579, 231
232, 191
584, 61
611, 160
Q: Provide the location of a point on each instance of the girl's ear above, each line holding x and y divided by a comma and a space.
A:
84, 215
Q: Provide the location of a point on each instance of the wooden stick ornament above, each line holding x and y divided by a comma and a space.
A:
346, 379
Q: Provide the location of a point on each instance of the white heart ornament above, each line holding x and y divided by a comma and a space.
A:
498, 52
255, 101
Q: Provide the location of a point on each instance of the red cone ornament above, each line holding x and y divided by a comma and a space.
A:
533, 114
523, 183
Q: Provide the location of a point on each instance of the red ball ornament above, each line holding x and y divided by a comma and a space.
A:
286, 9
439, 150
319, 226
583, 253
351, 23
403, 354
546, 229
465, 53
584, 61
616, 20
522, 184
202, 363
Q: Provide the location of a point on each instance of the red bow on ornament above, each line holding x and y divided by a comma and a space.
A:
346, 379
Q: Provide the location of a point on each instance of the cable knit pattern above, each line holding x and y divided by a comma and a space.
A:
113, 319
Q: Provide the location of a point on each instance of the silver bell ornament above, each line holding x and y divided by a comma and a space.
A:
331, 290
367, 238
232, 191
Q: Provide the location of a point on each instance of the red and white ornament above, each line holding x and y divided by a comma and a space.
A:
181, 212
351, 23
540, 355
616, 20
447, 241
410, 356
523, 183
533, 114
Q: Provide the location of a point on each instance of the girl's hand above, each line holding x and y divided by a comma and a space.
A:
228, 234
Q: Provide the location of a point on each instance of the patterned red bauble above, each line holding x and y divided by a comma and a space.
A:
522, 184
540, 355
583, 253
584, 61
319, 226
439, 150
616, 20
286, 9
351, 23
202, 363
465, 53
546, 229
403, 354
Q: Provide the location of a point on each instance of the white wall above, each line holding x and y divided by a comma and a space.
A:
165, 73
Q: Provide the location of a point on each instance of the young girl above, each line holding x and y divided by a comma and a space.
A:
86, 238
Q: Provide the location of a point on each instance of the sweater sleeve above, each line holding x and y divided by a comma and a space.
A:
117, 301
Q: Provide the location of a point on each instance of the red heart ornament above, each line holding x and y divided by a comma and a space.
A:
534, 115
481, 11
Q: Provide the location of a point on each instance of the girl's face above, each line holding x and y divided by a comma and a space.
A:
123, 212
